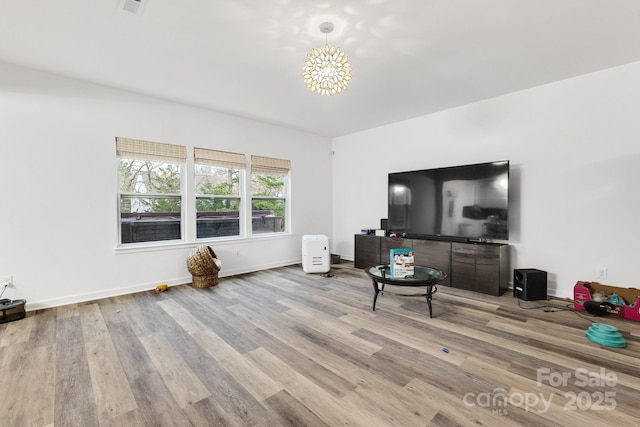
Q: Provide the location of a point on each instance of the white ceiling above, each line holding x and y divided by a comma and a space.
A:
244, 57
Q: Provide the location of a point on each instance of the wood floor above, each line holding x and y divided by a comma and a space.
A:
281, 347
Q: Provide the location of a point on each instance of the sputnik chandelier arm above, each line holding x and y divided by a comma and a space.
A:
326, 70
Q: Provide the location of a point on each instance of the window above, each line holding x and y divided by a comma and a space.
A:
269, 179
153, 190
150, 190
219, 180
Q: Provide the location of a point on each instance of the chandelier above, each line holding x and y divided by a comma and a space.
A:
326, 70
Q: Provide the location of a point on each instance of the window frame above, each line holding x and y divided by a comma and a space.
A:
275, 167
156, 152
228, 161
188, 195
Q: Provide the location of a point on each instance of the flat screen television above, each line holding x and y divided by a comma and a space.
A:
463, 203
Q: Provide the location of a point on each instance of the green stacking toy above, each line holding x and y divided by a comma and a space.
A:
607, 335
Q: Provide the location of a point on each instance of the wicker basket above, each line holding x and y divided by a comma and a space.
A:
204, 281
201, 264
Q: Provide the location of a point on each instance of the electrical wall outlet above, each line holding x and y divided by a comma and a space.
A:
601, 273
6, 281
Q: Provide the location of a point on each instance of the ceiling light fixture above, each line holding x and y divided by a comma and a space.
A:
326, 70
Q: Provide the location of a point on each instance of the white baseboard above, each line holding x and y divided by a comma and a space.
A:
107, 293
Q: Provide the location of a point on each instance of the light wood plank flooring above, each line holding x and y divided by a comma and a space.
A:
281, 347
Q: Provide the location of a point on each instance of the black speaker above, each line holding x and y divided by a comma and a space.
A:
383, 224
530, 284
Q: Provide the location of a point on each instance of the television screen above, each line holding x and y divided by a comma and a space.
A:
469, 202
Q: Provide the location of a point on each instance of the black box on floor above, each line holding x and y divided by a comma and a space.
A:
12, 310
530, 284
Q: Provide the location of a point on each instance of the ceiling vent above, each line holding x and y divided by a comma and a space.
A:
132, 6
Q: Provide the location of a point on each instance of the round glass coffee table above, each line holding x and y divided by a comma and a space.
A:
422, 276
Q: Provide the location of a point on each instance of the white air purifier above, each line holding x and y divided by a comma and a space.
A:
315, 254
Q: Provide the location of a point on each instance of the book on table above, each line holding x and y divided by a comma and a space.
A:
401, 262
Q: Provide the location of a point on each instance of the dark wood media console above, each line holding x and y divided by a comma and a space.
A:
479, 267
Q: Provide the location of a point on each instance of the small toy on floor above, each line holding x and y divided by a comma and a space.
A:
161, 288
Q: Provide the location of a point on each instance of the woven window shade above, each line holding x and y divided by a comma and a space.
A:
270, 165
202, 156
146, 150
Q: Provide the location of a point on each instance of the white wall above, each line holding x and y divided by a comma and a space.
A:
574, 148
58, 181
